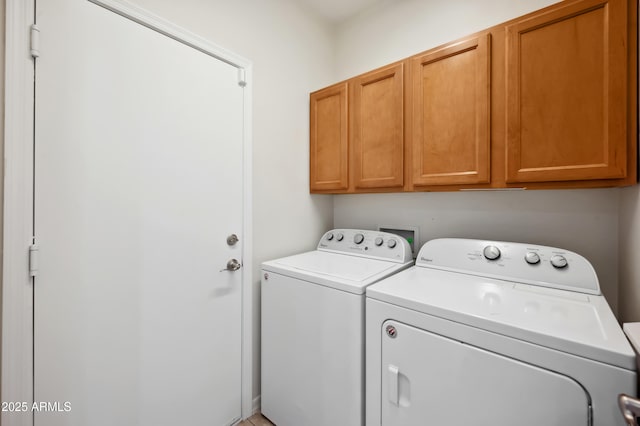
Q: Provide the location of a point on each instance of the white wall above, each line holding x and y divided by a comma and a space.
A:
584, 221
292, 55
396, 29
629, 234
629, 293
2, 43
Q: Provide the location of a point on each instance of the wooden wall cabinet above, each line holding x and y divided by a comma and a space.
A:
377, 128
329, 143
357, 133
567, 93
547, 100
451, 114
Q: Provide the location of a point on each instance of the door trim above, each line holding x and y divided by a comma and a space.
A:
167, 28
17, 291
17, 285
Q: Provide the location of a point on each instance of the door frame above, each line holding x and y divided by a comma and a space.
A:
17, 285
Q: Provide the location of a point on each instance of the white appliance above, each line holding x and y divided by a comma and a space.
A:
494, 334
313, 326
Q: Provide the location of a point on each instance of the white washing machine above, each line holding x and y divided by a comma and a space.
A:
494, 334
313, 326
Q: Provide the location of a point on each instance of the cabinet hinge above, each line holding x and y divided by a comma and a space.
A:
242, 77
35, 41
33, 259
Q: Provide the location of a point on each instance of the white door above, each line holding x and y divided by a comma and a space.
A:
429, 379
138, 171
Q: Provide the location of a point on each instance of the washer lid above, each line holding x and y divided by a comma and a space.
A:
576, 323
340, 271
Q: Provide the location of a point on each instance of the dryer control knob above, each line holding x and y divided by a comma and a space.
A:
330, 236
339, 237
391, 243
358, 238
558, 261
532, 258
491, 252
379, 241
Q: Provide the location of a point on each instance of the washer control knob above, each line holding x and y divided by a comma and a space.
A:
391, 243
339, 237
558, 261
330, 236
358, 238
379, 241
532, 258
491, 252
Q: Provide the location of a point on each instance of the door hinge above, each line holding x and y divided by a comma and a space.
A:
33, 259
35, 41
242, 77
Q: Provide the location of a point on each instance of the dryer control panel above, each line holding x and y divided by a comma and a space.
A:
525, 263
365, 243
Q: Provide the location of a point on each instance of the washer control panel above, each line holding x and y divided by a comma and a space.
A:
365, 243
517, 262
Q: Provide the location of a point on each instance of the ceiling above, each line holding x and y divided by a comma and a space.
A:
338, 10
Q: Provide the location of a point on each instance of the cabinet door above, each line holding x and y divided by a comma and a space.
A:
329, 154
377, 128
451, 128
567, 93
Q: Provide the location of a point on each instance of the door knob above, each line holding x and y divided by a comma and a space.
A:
232, 265
232, 239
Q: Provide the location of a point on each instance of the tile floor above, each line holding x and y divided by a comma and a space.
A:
256, 420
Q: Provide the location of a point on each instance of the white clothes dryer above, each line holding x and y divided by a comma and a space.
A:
494, 334
313, 326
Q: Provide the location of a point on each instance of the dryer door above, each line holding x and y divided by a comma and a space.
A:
428, 379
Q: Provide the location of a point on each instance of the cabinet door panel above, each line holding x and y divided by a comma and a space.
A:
451, 129
567, 94
329, 139
378, 128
